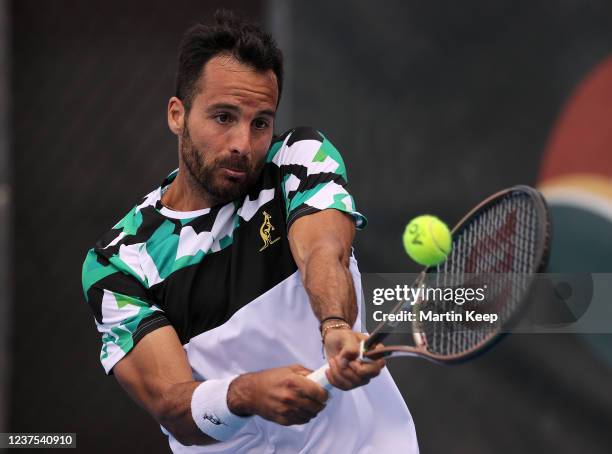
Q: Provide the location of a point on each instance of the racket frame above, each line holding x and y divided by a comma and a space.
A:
542, 241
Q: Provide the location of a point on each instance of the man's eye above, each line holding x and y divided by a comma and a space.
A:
223, 118
260, 124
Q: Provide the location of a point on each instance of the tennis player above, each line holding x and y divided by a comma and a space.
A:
220, 291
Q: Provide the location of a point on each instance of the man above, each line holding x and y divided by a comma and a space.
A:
216, 295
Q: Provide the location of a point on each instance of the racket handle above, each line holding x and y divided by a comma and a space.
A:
319, 377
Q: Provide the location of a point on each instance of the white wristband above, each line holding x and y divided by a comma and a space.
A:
210, 411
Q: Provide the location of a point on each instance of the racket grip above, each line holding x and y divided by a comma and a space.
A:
319, 377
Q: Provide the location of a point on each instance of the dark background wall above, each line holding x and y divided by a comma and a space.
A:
434, 106
5, 212
438, 104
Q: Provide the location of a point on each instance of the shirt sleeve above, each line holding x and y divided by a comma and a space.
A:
123, 311
313, 176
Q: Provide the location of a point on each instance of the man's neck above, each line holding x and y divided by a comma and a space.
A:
184, 194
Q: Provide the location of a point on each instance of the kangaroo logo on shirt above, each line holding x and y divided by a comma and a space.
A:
265, 231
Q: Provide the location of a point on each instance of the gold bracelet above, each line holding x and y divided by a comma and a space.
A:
334, 326
332, 317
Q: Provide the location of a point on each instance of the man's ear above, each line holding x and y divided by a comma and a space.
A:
176, 115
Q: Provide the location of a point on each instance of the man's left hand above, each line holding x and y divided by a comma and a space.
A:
346, 371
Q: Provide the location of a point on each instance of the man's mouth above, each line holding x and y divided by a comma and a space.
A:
235, 173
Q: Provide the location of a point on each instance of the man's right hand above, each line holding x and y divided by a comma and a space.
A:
283, 395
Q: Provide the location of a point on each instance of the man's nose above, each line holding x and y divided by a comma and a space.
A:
241, 139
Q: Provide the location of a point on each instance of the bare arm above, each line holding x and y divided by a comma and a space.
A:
321, 246
157, 375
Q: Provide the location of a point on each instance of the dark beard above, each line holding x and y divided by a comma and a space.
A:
213, 187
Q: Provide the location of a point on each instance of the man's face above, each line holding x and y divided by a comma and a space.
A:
229, 128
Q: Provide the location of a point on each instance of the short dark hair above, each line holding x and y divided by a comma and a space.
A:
228, 34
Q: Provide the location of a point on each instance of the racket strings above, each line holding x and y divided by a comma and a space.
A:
497, 249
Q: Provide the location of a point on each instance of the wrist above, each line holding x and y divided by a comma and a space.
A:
210, 410
239, 394
333, 325
332, 320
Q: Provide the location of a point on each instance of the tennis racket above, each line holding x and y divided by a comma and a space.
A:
503, 242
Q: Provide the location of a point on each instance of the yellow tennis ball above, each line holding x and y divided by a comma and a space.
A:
427, 240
